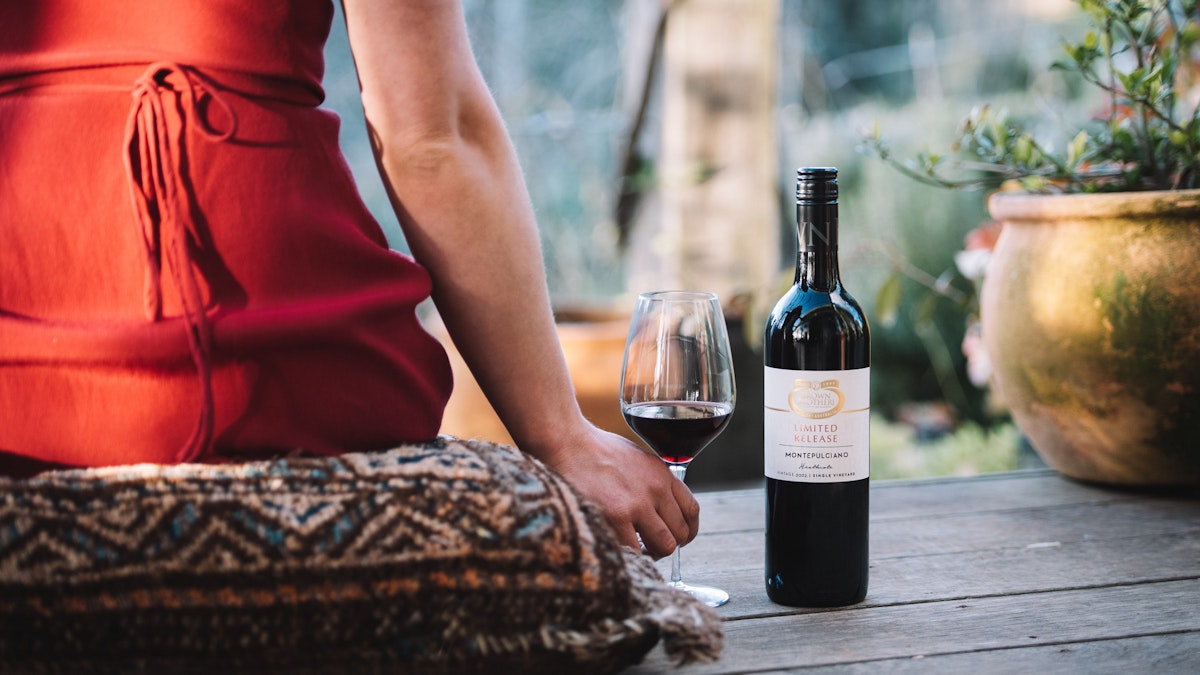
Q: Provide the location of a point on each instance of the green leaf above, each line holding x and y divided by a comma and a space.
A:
1033, 183
926, 310
887, 301
1023, 150
1076, 149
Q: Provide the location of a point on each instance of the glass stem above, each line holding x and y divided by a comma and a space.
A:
678, 470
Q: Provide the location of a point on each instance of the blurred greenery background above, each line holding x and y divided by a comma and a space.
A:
562, 72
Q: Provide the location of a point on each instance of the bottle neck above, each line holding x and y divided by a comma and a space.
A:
816, 258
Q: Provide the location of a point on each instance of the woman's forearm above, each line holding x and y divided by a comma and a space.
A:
469, 221
457, 188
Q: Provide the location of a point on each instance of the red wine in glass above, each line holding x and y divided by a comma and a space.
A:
677, 430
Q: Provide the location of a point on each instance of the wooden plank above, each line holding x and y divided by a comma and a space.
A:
989, 492
988, 529
1030, 527
725, 511
1176, 653
1018, 570
990, 553
1012, 623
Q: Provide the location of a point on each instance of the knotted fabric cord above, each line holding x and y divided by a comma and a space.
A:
160, 203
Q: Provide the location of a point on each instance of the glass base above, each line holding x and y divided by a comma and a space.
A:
713, 597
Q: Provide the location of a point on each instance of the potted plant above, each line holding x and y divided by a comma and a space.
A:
1090, 304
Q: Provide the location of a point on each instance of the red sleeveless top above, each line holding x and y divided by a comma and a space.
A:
187, 271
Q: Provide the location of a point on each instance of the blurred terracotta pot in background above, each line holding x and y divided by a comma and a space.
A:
593, 342
1091, 318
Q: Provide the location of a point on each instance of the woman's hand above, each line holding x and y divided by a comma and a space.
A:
633, 488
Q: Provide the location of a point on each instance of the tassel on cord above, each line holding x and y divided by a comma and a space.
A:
159, 198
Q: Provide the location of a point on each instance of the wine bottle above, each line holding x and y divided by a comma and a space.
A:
817, 404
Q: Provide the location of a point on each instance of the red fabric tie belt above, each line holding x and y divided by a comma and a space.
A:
160, 202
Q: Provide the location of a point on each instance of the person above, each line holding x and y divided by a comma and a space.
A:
187, 272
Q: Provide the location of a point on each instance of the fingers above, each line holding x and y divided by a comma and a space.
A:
689, 510
673, 509
675, 521
628, 536
658, 539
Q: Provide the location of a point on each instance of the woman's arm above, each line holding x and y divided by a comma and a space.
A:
457, 189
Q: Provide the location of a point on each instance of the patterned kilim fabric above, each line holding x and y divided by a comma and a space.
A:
454, 556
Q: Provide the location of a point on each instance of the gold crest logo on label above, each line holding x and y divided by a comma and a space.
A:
816, 400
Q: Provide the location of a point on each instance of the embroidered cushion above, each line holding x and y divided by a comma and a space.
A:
455, 556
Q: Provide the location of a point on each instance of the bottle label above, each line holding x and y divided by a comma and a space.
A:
817, 425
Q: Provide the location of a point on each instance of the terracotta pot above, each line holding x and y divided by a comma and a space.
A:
1091, 317
593, 342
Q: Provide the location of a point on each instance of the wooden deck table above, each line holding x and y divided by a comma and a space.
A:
1022, 572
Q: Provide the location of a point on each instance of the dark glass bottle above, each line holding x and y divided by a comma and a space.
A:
817, 405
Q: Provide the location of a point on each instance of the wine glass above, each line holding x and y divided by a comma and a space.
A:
677, 389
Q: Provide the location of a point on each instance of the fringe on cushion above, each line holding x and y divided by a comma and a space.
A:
691, 631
